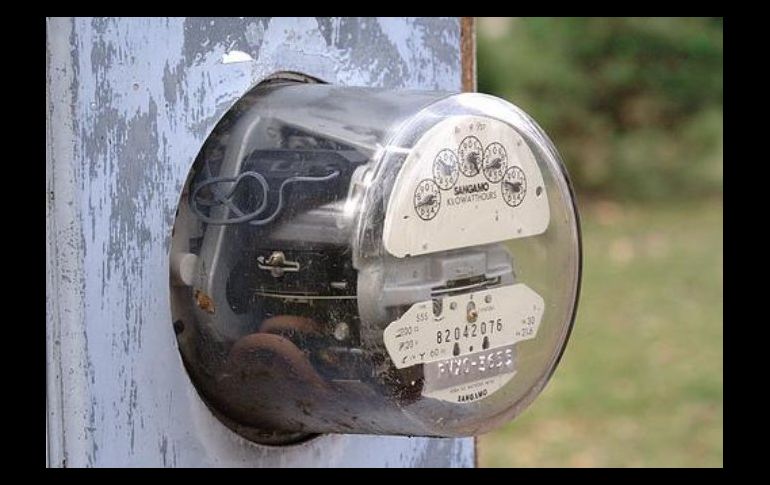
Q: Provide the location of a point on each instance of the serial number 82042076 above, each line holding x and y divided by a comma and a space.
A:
470, 330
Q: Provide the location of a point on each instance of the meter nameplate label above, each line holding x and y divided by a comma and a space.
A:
469, 180
469, 378
460, 325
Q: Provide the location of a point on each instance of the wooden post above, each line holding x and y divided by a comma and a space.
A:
129, 102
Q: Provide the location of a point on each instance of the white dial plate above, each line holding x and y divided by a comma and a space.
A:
464, 324
469, 180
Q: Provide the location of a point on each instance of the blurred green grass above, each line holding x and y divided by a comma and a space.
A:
640, 384
635, 107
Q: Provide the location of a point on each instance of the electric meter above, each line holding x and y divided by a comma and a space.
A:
356, 260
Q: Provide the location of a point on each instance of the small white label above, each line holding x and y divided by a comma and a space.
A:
462, 325
469, 378
469, 180
471, 391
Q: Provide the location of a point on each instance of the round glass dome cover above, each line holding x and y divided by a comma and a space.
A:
372, 261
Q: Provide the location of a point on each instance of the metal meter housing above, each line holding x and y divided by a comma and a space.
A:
359, 260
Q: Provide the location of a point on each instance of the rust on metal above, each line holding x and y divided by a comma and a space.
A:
204, 301
468, 53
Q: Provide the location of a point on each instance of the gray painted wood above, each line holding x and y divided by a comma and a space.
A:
129, 103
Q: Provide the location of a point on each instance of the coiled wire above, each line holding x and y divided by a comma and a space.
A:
226, 199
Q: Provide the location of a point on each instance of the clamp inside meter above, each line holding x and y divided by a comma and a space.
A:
357, 260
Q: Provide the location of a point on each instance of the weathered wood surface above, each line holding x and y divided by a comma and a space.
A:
129, 103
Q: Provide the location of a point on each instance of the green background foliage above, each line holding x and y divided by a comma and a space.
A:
634, 105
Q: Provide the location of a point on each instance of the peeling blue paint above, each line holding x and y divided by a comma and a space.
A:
131, 101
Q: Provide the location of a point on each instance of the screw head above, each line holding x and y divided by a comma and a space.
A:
472, 314
341, 331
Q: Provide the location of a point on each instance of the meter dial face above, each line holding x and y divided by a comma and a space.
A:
471, 154
514, 186
427, 199
445, 170
495, 162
